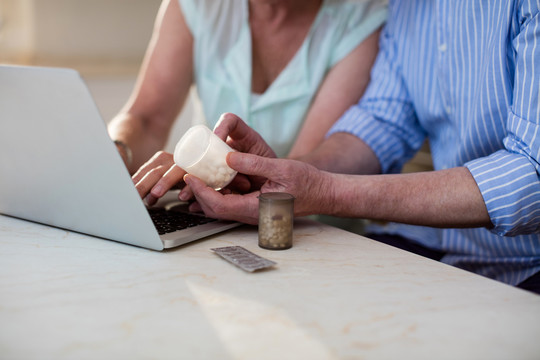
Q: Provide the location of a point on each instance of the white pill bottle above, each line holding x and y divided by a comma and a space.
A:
202, 153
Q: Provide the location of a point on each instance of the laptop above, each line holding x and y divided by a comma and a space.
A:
59, 167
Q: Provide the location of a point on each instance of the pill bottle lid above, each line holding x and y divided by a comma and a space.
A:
276, 197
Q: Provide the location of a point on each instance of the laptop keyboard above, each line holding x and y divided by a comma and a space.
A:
170, 221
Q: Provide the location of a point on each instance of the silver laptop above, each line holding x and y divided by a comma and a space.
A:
59, 167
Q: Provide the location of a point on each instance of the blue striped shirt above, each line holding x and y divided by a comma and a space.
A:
466, 75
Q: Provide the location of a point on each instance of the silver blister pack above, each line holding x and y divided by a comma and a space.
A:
243, 258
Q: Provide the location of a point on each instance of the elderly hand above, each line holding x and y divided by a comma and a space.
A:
310, 186
240, 136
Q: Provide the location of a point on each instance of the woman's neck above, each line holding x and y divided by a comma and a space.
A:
278, 29
277, 12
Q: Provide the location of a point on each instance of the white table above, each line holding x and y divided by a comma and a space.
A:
334, 295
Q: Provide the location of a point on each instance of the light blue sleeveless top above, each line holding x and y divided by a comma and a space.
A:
222, 62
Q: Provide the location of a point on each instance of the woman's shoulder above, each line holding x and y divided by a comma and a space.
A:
346, 23
212, 9
213, 16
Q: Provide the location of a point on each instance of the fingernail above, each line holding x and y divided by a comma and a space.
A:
150, 200
157, 190
183, 196
228, 157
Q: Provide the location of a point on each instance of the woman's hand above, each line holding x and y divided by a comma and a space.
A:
157, 176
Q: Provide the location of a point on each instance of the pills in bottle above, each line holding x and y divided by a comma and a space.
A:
276, 219
202, 153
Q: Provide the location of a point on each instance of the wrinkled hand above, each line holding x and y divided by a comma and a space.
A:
238, 135
233, 130
310, 186
157, 176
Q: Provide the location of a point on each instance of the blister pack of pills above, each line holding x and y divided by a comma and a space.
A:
243, 258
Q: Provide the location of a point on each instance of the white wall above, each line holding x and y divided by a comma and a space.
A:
76, 31
105, 40
16, 30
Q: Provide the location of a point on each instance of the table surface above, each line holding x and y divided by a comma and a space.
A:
334, 295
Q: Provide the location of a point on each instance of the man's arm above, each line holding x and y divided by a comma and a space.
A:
447, 198
345, 154
434, 198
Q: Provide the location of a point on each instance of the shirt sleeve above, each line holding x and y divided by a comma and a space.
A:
359, 19
509, 179
191, 11
385, 118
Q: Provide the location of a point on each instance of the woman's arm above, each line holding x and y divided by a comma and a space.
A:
342, 87
144, 123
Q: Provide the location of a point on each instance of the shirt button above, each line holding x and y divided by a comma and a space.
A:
442, 47
448, 110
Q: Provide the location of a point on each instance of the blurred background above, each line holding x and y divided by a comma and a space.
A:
105, 40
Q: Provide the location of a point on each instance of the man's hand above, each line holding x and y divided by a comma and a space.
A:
231, 129
238, 135
310, 187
